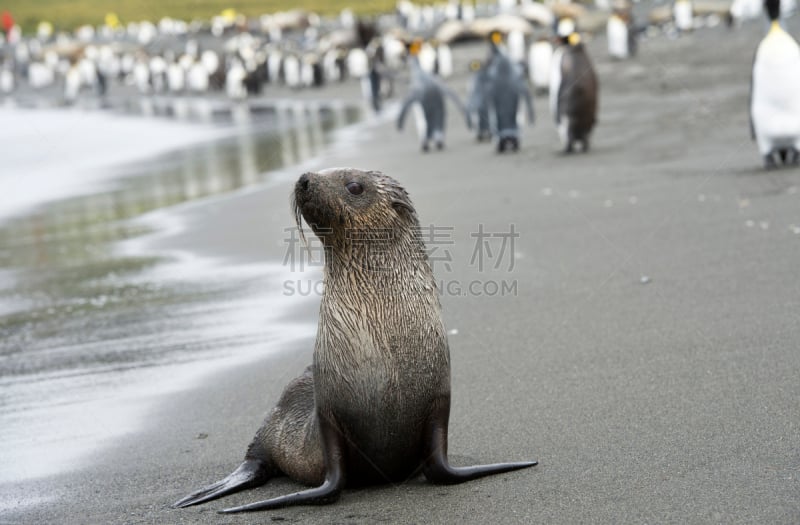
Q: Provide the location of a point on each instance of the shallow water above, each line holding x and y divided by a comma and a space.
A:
87, 328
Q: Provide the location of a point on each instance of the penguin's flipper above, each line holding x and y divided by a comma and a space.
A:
457, 101
522, 87
251, 473
474, 97
401, 118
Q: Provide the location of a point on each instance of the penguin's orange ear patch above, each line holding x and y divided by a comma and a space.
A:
496, 37
415, 47
574, 39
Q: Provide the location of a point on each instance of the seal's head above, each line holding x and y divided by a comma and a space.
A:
341, 204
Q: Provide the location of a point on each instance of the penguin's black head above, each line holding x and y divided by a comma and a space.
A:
773, 9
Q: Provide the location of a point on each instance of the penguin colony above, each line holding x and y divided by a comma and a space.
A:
532, 49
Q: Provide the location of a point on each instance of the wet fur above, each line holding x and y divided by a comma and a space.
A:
373, 407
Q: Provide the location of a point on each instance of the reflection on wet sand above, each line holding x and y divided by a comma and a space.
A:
63, 284
89, 335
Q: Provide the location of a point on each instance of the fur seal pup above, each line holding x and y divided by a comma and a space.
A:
775, 93
429, 93
573, 89
374, 405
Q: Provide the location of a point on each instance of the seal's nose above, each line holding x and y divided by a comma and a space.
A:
302, 183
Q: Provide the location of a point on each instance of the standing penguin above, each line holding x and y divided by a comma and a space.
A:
6, 81
540, 55
429, 93
507, 84
444, 60
775, 93
478, 98
620, 33
682, 13
573, 89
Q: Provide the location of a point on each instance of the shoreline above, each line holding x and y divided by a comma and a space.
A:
133, 389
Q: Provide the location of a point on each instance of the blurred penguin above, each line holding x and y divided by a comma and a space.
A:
176, 78
478, 98
426, 57
742, 10
234, 80
291, 71
274, 66
507, 85
357, 63
745, 10
573, 89
380, 81
72, 84
197, 78
444, 61
775, 94
682, 13
6, 81
540, 55
620, 33
429, 94
515, 43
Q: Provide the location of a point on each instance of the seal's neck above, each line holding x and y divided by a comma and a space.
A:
382, 259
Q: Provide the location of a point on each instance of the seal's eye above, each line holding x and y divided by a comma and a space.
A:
355, 188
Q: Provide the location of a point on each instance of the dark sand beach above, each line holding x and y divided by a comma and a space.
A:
646, 353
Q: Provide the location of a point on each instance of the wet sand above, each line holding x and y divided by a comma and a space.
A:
648, 357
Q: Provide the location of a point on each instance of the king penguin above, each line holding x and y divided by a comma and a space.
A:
478, 98
507, 85
429, 93
540, 56
683, 13
620, 32
573, 89
775, 93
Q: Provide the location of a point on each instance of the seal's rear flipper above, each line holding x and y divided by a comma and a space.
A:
327, 493
437, 468
331, 488
251, 473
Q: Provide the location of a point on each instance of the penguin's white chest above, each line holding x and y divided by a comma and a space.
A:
291, 71
357, 63
427, 58
539, 59
775, 103
445, 60
555, 81
617, 33
682, 12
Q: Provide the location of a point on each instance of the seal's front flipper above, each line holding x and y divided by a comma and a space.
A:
436, 467
328, 492
251, 473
